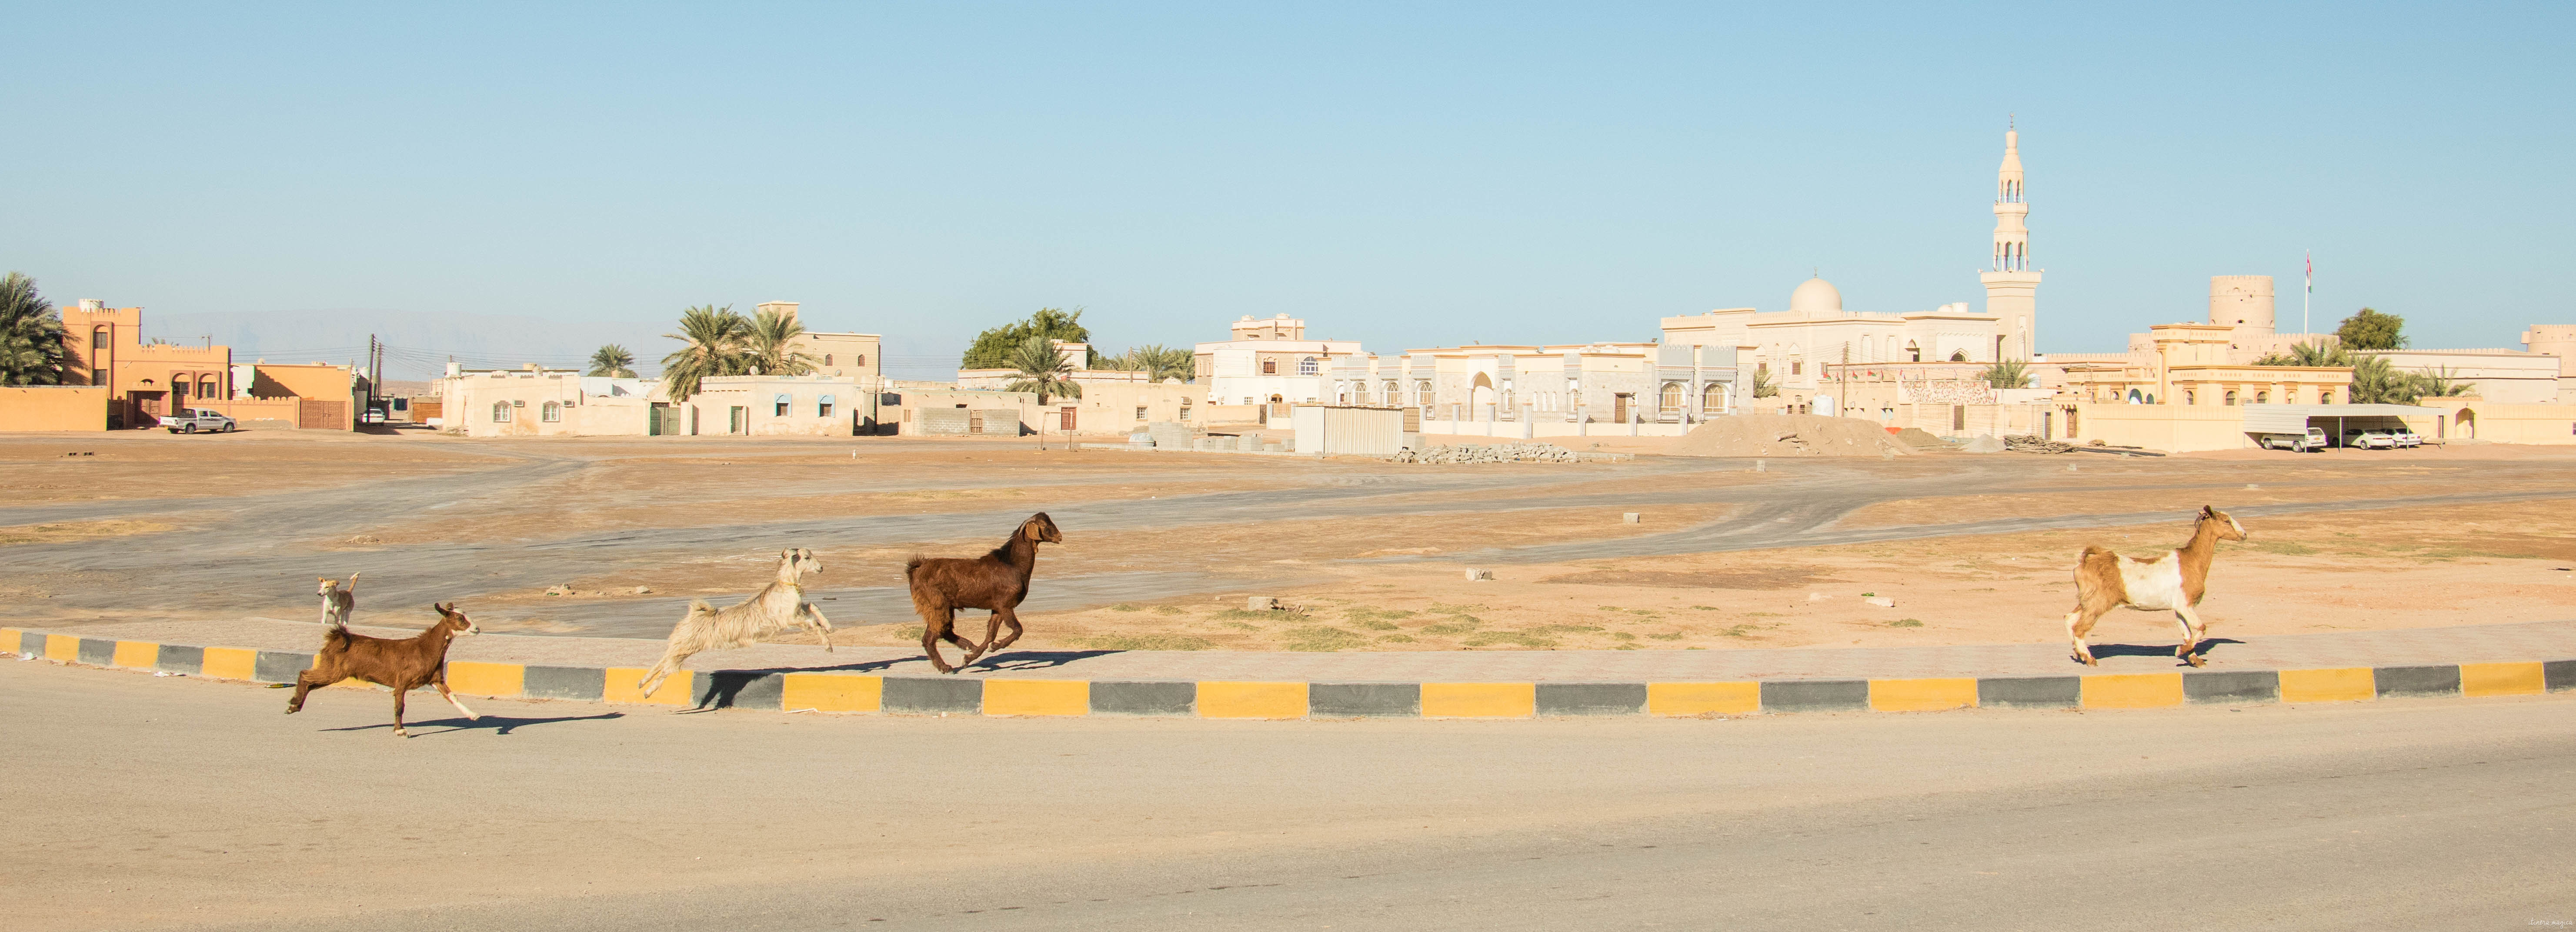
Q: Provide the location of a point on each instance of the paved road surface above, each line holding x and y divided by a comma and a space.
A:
138, 802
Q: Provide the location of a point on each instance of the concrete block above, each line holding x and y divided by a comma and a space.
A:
1476, 575
276, 666
1327, 700
916, 694
1815, 695
1591, 698
585, 684
1144, 698
1630, 517
98, 651
739, 689
2417, 681
2558, 675
2231, 686
179, 659
2030, 692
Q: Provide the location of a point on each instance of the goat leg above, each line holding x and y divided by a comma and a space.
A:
821, 626
451, 698
399, 730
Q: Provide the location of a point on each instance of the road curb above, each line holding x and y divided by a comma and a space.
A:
826, 691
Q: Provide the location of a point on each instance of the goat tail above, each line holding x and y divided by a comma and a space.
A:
699, 607
911, 565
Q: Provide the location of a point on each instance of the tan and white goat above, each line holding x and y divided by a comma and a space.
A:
337, 600
777, 607
2170, 581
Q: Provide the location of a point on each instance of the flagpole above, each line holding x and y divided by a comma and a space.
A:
2308, 295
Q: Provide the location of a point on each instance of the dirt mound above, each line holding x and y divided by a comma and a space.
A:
1920, 438
1789, 435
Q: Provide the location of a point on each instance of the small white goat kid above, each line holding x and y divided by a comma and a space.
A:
777, 607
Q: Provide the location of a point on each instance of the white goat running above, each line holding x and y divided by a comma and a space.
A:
777, 607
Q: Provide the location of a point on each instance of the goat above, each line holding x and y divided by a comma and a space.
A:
2171, 581
400, 665
775, 608
338, 601
995, 582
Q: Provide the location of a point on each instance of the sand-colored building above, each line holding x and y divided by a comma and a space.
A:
53, 408
148, 379
836, 354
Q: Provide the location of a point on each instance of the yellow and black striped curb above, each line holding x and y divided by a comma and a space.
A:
796, 691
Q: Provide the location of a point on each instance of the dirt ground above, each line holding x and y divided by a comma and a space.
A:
1369, 555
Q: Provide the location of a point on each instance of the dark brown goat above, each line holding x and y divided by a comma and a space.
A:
399, 665
995, 582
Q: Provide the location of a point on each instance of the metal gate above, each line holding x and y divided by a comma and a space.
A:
666, 421
322, 415
1067, 419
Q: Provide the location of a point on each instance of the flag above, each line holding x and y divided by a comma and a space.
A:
2312, 273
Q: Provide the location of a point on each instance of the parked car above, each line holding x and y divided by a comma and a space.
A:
2369, 439
2313, 439
2406, 438
372, 416
192, 420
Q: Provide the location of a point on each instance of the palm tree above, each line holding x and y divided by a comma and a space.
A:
1159, 362
2010, 373
31, 335
714, 337
1042, 370
612, 361
2440, 382
2376, 382
770, 345
1762, 384
2309, 354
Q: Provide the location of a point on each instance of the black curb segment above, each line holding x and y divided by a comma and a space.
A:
2030, 692
739, 689
2558, 675
1115, 698
1815, 696
1363, 699
1591, 698
923, 694
2417, 681
587, 684
2232, 686
173, 658
277, 666
95, 651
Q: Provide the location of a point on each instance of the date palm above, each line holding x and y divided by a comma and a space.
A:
713, 341
613, 361
31, 335
2010, 373
1042, 370
770, 345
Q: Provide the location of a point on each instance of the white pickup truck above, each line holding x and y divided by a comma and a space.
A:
2313, 439
192, 420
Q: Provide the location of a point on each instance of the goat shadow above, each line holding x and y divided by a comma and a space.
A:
2152, 650
498, 724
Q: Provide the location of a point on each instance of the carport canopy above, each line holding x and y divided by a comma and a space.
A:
2294, 419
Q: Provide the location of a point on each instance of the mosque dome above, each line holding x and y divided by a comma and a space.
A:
1816, 296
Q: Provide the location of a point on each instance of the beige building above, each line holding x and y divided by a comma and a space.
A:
838, 355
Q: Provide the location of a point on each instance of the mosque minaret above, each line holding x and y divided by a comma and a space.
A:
2012, 286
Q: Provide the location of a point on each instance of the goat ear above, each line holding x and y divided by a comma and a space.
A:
2208, 512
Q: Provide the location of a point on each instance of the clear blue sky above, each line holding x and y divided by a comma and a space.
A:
1406, 176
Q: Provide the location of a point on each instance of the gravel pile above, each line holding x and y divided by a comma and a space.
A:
1497, 453
2028, 443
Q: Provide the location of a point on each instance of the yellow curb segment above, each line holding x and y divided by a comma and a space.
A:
1924, 695
1732, 698
2131, 691
229, 663
2502, 679
63, 647
623, 680
487, 679
2340, 684
9, 637
1037, 697
1252, 700
831, 692
1479, 700
140, 655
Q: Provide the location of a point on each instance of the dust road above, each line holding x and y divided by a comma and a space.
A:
158, 803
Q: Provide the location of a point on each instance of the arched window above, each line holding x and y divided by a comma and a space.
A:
859, 360
2231, 396
2190, 397
1306, 366
827, 359
500, 412
1669, 402
2262, 398
98, 338
206, 386
1422, 392
1713, 398
1913, 353
551, 413
1270, 367
1865, 349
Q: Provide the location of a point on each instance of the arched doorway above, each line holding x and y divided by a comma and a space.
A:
1482, 394
2468, 421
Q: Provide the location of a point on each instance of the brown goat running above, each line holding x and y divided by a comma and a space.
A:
995, 582
400, 665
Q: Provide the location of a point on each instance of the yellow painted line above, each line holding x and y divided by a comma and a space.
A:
1479, 700
2131, 691
832, 692
2340, 684
1924, 695
229, 663
141, 655
487, 679
1742, 698
11, 638
1037, 697
2501, 679
1244, 700
62, 647
622, 682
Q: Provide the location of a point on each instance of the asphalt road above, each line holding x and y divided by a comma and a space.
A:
141, 802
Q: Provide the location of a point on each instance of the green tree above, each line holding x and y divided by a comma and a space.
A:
770, 346
31, 335
613, 361
713, 344
1161, 362
2010, 373
992, 348
2440, 382
2371, 330
1763, 387
2309, 354
1042, 370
